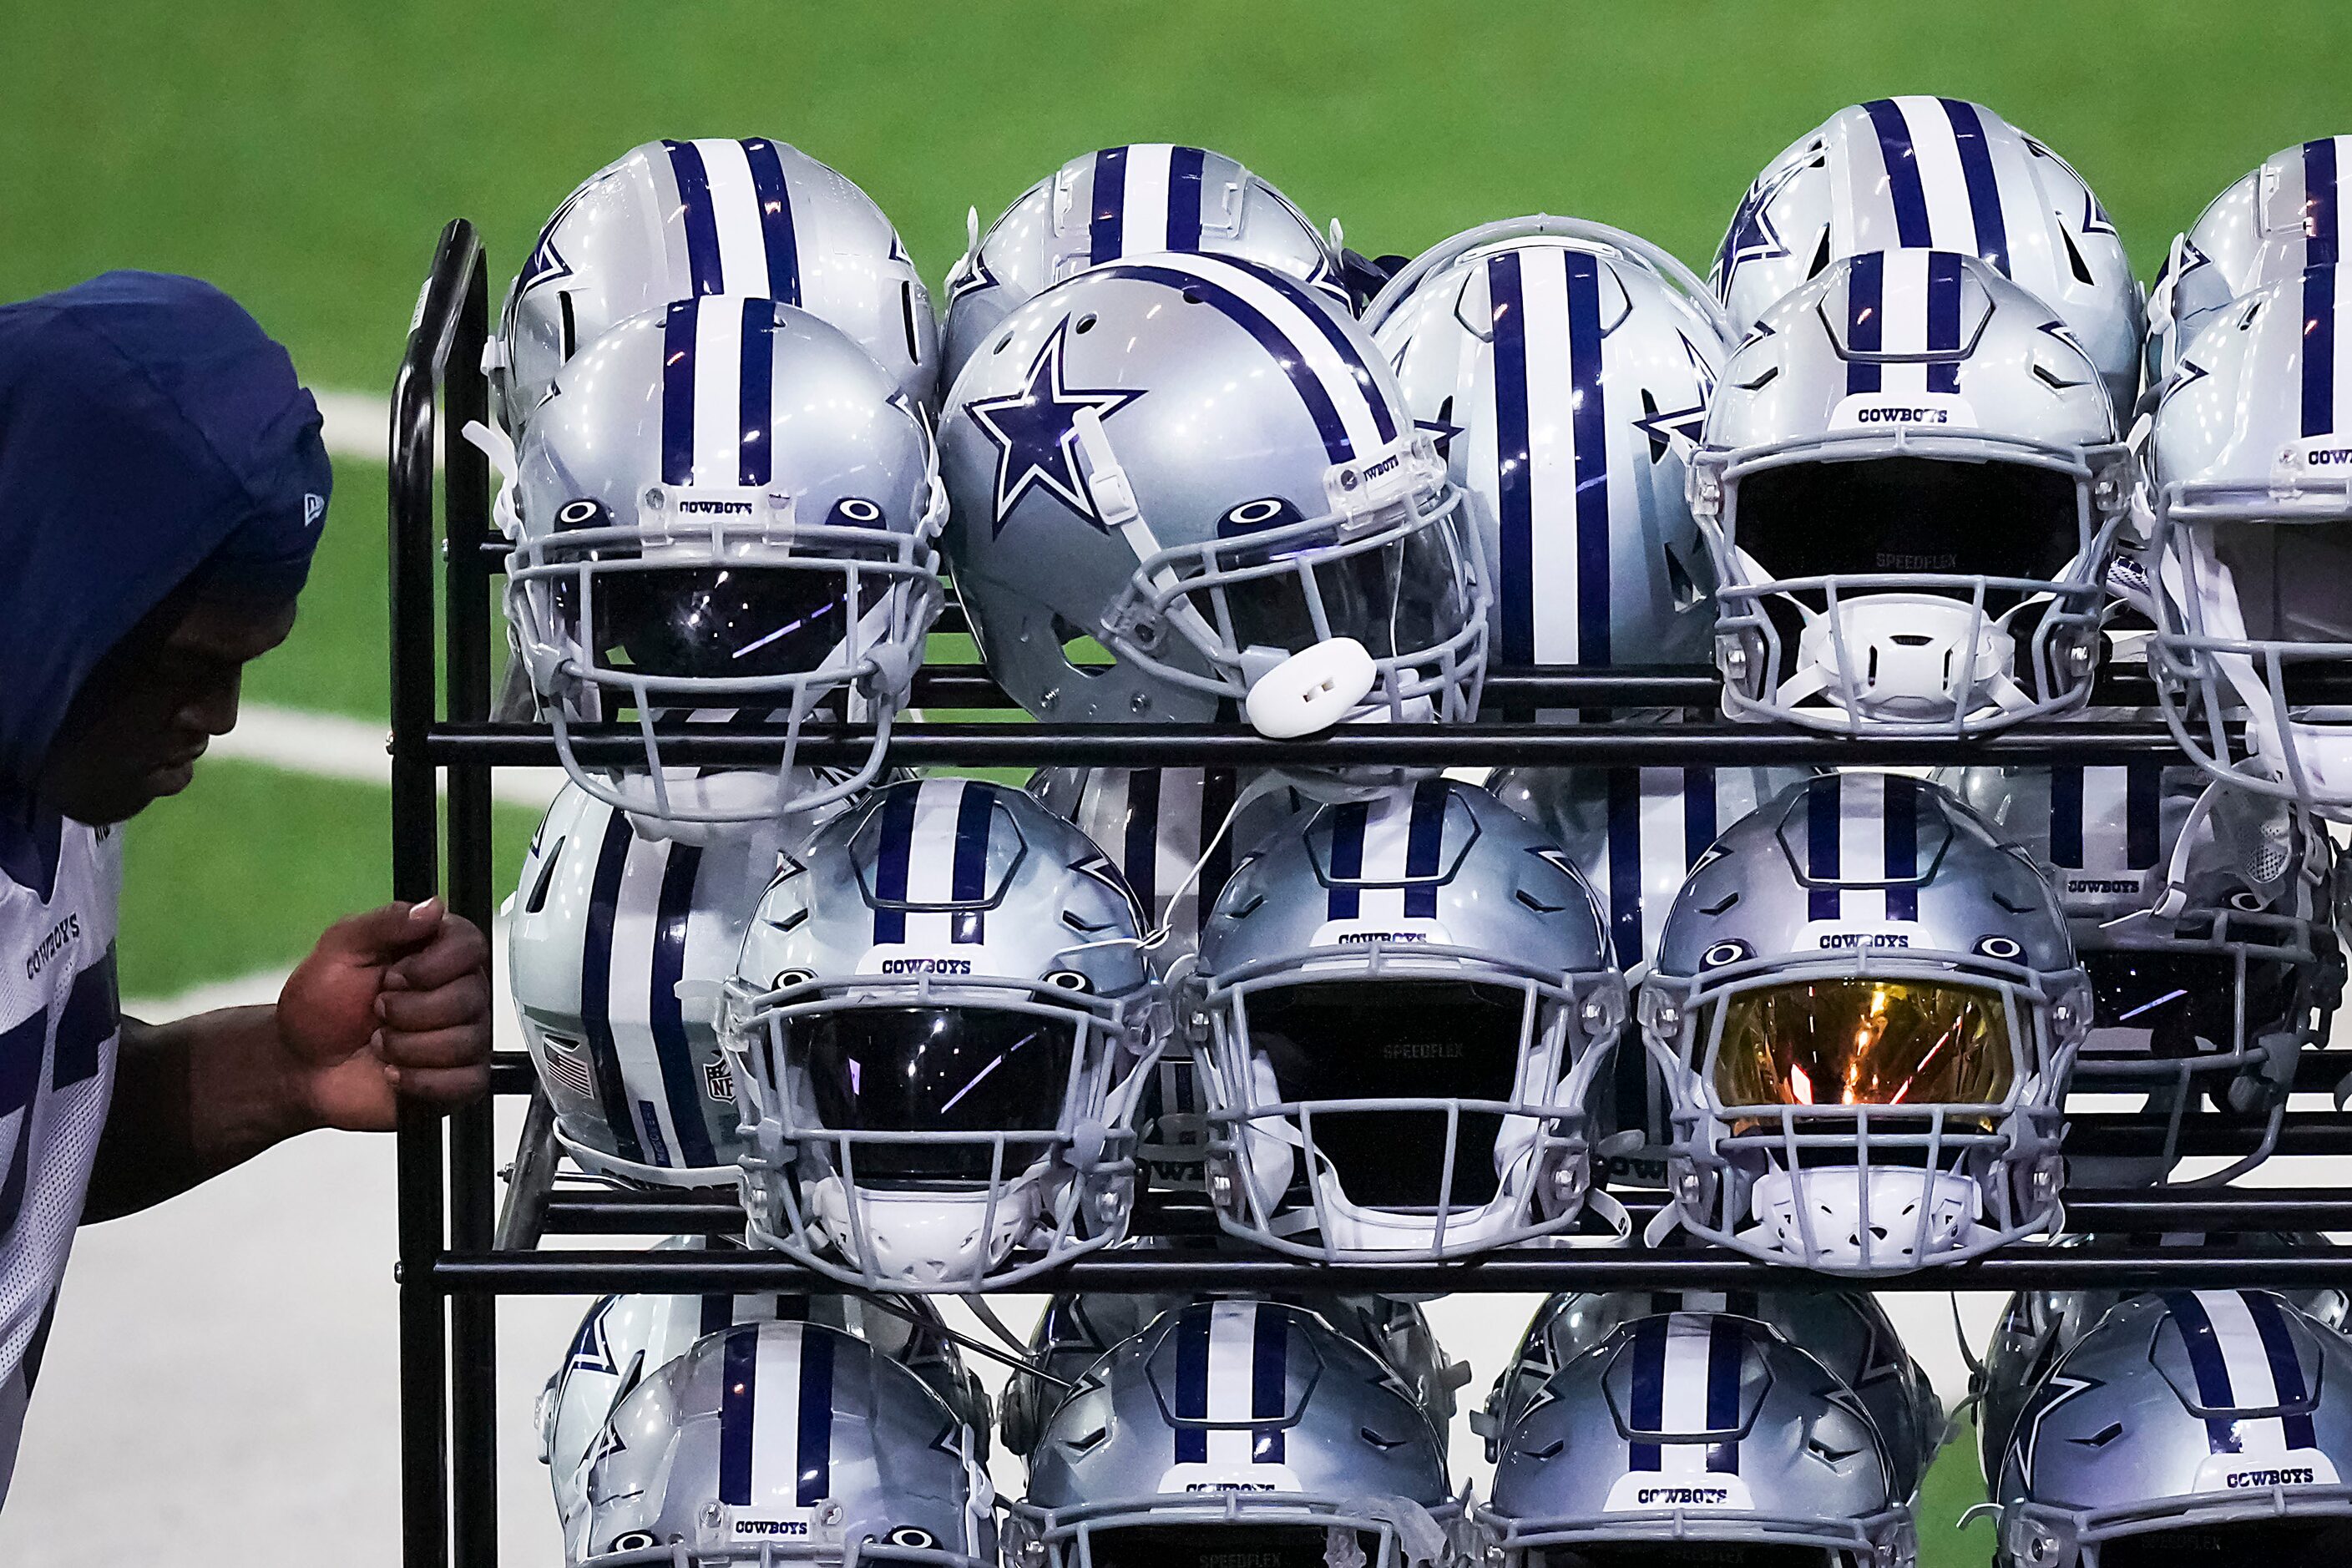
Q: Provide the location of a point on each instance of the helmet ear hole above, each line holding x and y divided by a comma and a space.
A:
634, 1540
1069, 979
788, 978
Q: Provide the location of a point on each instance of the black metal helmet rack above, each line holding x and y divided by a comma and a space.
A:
451, 1270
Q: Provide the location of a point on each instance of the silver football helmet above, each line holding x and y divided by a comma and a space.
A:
941, 1023
785, 1442
2204, 918
1203, 464
1695, 1427
1846, 1331
1077, 1328
1866, 1006
2248, 470
1563, 369
1142, 199
1237, 1427
1938, 173
724, 504
1396, 1011
2186, 1426
2264, 229
604, 925
1912, 486
679, 220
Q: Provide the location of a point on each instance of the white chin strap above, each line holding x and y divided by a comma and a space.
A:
1912, 655
498, 446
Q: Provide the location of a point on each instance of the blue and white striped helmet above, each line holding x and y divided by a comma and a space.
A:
1696, 1426
782, 1442
2265, 229
2204, 918
1141, 199
940, 1022
2186, 1426
1237, 1427
725, 507
1397, 1007
679, 220
604, 925
2245, 475
1912, 486
1938, 173
1203, 464
1865, 1006
1563, 369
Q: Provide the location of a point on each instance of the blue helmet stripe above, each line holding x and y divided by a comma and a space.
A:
1343, 900
893, 853
1902, 187
1724, 1344
1649, 1390
1317, 309
1866, 290
782, 242
1625, 864
1984, 190
1902, 844
738, 1396
1943, 319
1270, 1390
2319, 233
681, 1080
703, 273
1699, 821
968, 879
814, 1482
2209, 1366
1423, 848
2143, 823
677, 391
1193, 1385
2319, 351
1140, 854
1514, 484
1219, 789
596, 985
2066, 816
1184, 165
1587, 414
718, 1313
1106, 231
1822, 812
2286, 1373
757, 412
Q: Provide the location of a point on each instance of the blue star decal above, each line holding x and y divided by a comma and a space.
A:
970, 276
591, 1350
2188, 373
1036, 434
1752, 236
545, 263
1441, 433
2056, 1390
1662, 425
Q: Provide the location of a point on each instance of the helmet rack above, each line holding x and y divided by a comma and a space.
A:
456, 1256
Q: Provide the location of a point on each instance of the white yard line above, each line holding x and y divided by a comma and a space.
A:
332, 746
357, 424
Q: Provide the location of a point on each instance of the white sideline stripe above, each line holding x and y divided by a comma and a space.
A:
330, 746
355, 424
245, 990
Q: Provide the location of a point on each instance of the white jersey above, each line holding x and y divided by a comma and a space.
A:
58, 886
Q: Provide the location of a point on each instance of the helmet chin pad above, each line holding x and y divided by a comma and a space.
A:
925, 1240
1906, 656
1826, 1203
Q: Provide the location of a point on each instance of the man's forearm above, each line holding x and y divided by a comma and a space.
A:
192, 1098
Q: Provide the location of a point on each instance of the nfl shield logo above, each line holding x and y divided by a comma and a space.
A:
719, 1082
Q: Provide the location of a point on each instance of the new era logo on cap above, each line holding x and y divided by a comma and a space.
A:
314, 507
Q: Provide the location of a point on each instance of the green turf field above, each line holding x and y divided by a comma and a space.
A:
304, 157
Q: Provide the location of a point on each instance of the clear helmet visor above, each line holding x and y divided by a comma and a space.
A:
1864, 1042
720, 623
1399, 598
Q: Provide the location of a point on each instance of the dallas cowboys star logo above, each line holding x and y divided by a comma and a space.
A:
970, 276
1662, 425
1036, 434
591, 1349
545, 262
1752, 236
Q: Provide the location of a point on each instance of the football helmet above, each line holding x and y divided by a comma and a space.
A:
1564, 368
2186, 1426
604, 926
941, 1023
1142, 199
1394, 1008
1694, 1426
1912, 487
1236, 1427
785, 1442
1865, 1006
679, 220
2265, 229
1938, 173
1846, 1331
1203, 464
724, 505
2249, 479
2204, 918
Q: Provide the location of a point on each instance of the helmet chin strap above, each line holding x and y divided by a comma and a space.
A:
499, 448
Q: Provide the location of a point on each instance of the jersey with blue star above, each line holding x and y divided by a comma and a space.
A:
1035, 432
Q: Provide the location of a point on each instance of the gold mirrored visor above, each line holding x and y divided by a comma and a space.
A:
1864, 1042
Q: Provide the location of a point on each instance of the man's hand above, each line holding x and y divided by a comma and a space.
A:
392, 1005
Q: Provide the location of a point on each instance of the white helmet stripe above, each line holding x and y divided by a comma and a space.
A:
1943, 183
629, 997
717, 392
1347, 380
1862, 844
735, 214
1144, 199
1232, 1342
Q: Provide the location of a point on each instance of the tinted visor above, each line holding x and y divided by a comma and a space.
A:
718, 623
1911, 515
2157, 1006
972, 1070
2289, 578
1689, 1554
1398, 598
1214, 1545
2272, 1542
1863, 1042
1358, 1039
